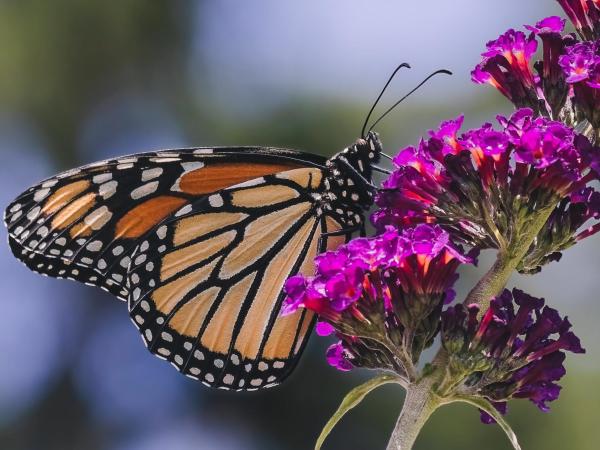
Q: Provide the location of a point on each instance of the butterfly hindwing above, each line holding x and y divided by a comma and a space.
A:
85, 223
206, 285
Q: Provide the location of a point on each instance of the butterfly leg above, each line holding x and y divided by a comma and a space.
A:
343, 232
358, 174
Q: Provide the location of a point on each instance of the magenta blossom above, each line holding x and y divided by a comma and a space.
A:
581, 65
339, 357
508, 66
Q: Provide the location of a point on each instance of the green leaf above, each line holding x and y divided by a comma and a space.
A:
485, 405
353, 398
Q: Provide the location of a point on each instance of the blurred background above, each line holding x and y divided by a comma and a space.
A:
87, 80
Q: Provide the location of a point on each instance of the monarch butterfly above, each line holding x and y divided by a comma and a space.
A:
199, 243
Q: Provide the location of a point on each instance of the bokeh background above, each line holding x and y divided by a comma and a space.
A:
86, 80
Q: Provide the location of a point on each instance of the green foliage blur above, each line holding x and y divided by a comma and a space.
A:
60, 59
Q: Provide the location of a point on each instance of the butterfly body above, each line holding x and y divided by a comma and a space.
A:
199, 242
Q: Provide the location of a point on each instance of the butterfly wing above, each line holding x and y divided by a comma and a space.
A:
200, 241
206, 285
84, 223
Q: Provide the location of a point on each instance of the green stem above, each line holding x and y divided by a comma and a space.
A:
494, 281
419, 404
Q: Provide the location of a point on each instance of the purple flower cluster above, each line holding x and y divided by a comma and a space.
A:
479, 185
510, 352
566, 82
377, 288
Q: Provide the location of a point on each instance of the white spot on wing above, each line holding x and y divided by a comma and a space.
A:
189, 166
41, 194
102, 178
215, 200
186, 209
49, 183
31, 215
162, 232
94, 246
150, 174
108, 189
164, 160
144, 190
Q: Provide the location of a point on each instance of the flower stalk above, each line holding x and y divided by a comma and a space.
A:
420, 402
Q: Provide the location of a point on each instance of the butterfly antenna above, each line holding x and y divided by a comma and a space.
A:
403, 65
437, 72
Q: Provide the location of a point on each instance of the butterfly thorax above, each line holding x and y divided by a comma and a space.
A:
350, 173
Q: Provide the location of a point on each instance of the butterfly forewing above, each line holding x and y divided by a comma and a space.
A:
85, 223
206, 286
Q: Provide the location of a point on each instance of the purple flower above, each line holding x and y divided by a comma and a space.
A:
542, 146
338, 357
506, 66
324, 329
447, 135
517, 352
552, 24
580, 61
295, 288
581, 65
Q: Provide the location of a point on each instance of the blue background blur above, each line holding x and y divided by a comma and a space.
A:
85, 80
